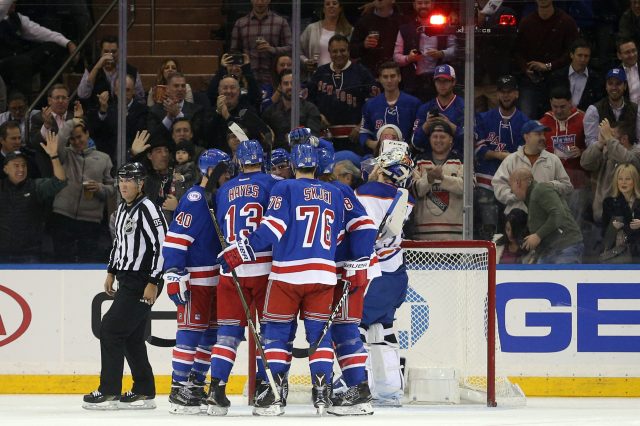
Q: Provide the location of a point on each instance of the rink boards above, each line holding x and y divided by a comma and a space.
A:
570, 332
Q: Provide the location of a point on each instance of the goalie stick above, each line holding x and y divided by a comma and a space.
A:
306, 352
393, 220
247, 312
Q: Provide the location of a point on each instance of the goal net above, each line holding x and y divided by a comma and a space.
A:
446, 328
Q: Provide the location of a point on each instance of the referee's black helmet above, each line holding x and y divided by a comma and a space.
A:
132, 171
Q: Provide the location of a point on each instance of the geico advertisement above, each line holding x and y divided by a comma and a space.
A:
583, 323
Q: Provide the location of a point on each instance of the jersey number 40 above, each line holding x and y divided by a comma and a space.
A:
311, 214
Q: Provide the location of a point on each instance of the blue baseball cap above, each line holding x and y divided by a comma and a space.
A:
617, 73
444, 71
534, 126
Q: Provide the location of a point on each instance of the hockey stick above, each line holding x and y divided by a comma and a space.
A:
237, 131
247, 312
303, 352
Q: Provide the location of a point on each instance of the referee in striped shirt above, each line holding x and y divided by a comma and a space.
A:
136, 261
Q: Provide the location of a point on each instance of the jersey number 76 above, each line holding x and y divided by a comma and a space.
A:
311, 214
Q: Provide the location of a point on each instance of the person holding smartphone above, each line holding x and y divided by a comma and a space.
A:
237, 65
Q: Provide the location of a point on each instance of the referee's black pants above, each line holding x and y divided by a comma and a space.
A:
122, 335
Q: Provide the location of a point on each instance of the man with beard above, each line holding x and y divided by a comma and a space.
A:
497, 134
613, 107
277, 115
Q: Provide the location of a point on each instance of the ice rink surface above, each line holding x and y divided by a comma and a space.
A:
66, 410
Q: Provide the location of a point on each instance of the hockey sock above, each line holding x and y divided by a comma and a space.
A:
184, 353
224, 351
350, 352
321, 362
202, 359
277, 346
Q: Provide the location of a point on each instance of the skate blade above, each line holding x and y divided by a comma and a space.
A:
364, 409
216, 410
321, 410
183, 410
143, 404
102, 406
273, 410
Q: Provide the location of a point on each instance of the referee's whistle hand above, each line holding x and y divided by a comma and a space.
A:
108, 285
150, 293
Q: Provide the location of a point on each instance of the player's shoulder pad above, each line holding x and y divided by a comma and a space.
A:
193, 195
376, 190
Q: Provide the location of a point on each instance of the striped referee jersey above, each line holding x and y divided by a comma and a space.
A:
140, 230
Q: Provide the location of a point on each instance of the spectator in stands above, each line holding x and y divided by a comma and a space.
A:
541, 46
52, 117
230, 107
613, 107
23, 205
545, 167
346, 172
236, 64
555, 235
161, 117
438, 187
584, 82
17, 104
314, 40
277, 115
388, 132
629, 26
263, 35
621, 217
446, 106
28, 49
102, 76
628, 56
78, 209
392, 106
339, 90
185, 173
374, 35
566, 140
509, 245
3, 95
280, 164
419, 49
269, 93
104, 120
498, 133
493, 50
10, 142
158, 92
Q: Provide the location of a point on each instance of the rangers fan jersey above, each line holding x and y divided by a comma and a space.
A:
377, 112
304, 222
192, 242
240, 205
376, 197
454, 111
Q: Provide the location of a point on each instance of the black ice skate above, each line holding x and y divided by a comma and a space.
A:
217, 401
134, 401
198, 391
182, 400
320, 394
97, 401
265, 403
356, 401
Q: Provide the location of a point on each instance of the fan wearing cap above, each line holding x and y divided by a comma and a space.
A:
185, 173
438, 188
545, 167
23, 204
498, 133
614, 107
446, 106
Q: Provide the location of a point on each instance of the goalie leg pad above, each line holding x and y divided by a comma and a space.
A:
184, 354
202, 359
277, 346
321, 361
224, 351
386, 380
350, 352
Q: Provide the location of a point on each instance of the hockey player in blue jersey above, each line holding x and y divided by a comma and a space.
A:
191, 276
386, 293
240, 205
355, 252
303, 223
280, 165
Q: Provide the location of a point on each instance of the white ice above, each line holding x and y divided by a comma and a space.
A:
65, 410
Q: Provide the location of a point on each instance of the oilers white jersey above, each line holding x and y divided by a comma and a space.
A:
240, 206
303, 222
192, 242
376, 197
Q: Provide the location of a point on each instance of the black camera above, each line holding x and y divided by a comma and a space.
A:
237, 59
434, 112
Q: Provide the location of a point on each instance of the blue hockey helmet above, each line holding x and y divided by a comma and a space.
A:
279, 155
210, 159
304, 155
250, 152
326, 161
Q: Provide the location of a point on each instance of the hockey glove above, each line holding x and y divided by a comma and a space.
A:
299, 136
235, 255
178, 287
355, 271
